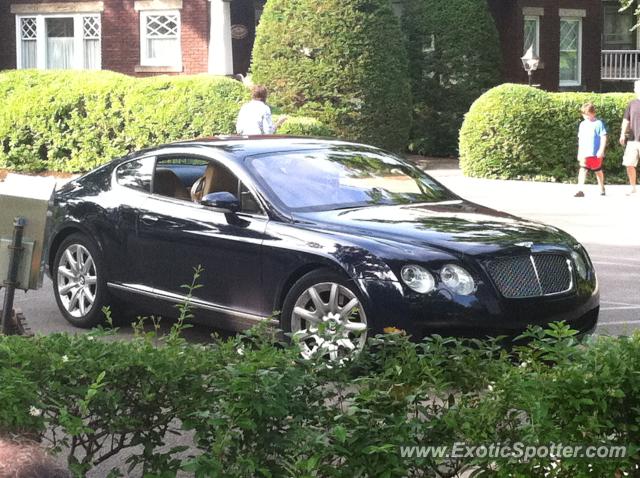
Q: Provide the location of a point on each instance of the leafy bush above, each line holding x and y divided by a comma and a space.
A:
304, 126
341, 61
518, 132
73, 121
257, 410
454, 57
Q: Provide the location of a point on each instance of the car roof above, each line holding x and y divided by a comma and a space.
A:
239, 147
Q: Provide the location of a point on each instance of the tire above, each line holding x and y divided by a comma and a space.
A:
79, 284
324, 312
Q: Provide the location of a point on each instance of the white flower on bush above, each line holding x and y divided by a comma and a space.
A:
34, 411
90, 337
65, 358
523, 365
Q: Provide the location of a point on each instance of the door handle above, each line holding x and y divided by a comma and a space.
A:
148, 219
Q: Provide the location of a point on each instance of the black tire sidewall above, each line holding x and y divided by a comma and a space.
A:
316, 277
95, 315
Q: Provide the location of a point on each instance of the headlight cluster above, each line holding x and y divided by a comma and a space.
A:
580, 264
454, 277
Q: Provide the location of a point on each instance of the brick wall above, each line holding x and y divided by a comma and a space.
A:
510, 21
121, 35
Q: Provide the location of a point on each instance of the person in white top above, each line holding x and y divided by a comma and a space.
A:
254, 117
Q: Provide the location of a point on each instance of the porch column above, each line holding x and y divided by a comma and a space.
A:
220, 52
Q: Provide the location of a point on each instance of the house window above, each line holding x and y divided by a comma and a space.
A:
28, 43
160, 38
58, 41
532, 34
570, 51
617, 28
91, 42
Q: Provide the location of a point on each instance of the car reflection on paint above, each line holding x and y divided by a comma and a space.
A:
341, 239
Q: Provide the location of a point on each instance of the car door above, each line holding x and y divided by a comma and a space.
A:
181, 234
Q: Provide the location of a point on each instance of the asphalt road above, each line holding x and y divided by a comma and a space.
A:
608, 228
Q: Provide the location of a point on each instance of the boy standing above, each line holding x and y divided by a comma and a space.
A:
592, 141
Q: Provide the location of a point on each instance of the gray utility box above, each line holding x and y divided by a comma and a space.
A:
29, 197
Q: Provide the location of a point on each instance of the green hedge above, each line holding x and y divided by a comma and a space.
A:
341, 61
518, 132
249, 407
73, 121
454, 57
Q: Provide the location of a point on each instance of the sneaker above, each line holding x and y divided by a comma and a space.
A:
631, 193
579, 194
603, 193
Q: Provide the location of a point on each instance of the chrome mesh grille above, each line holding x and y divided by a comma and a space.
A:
531, 276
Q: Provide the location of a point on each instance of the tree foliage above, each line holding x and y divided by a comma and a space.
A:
342, 61
454, 56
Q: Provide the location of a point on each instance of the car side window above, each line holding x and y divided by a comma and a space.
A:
174, 176
218, 178
136, 174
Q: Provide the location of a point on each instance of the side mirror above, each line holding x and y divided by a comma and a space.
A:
222, 202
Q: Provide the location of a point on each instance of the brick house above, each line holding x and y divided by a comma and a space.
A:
583, 44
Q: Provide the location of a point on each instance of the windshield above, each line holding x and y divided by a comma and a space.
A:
339, 179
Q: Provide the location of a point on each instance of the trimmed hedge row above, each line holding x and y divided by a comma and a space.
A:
341, 61
254, 409
73, 121
518, 132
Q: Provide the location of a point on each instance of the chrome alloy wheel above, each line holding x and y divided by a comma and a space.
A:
77, 280
329, 321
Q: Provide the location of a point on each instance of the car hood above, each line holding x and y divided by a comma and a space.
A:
452, 226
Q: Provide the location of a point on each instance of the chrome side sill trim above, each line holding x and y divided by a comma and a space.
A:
198, 303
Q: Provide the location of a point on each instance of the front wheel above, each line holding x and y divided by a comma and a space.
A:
325, 315
78, 281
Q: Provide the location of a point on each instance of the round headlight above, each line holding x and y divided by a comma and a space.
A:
418, 278
457, 279
581, 267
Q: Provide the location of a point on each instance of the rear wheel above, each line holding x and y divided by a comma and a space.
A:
78, 281
325, 314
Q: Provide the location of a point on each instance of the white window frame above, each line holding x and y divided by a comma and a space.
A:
144, 55
577, 82
41, 38
536, 45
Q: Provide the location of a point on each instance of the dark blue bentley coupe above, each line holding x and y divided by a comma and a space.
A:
310, 235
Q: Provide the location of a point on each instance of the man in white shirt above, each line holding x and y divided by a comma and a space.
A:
254, 117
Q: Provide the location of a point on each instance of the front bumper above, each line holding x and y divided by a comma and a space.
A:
390, 304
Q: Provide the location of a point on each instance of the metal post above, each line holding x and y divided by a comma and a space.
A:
530, 73
11, 282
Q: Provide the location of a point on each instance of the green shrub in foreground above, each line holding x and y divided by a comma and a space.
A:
518, 132
74, 121
341, 61
257, 410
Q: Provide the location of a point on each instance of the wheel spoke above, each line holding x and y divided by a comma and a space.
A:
333, 298
345, 312
89, 295
65, 289
90, 280
66, 272
317, 301
73, 265
355, 326
73, 302
347, 344
81, 302
313, 317
87, 265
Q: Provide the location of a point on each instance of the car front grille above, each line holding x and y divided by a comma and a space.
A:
531, 276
